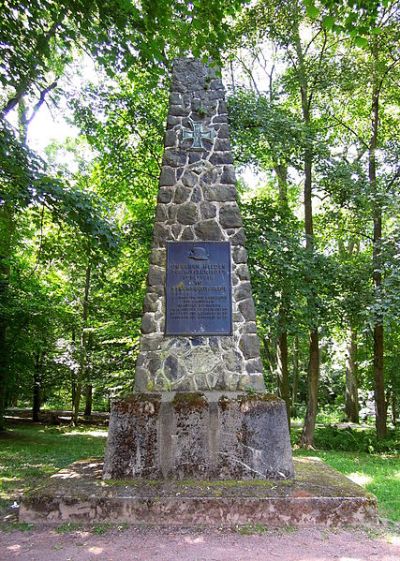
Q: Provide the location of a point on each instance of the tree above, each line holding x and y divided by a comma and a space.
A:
267, 135
39, 38
306, 77
374, 134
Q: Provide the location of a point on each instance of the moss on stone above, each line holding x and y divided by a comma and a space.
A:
231, 483
224, 402
254, 399
189, 401
249, 398
142, 403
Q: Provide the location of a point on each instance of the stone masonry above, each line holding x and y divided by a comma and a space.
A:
199, 409
197, 202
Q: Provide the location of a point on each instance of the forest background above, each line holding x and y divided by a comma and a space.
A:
313, 92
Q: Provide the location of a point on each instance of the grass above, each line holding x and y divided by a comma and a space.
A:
28, 454
101, 528
251, 529
16, 526
68, 528
377, 473
356, 452
98, 529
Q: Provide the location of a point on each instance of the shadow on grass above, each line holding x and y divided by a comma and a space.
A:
29, 454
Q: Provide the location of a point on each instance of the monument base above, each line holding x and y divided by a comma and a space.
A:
318, 495
210, 435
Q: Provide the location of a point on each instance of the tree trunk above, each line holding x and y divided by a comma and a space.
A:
282, 343
83, 348
283, 372
378, 332
281, 171
233, 84
37, 388
295, 386
7, 227
307, 437
380, 401
73, 371
394, 409
3, 371
88, 400
73, 389
351, 406
268, 355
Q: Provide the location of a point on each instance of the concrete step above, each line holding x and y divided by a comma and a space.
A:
319, 495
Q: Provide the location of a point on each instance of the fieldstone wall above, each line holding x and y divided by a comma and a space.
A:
197, 202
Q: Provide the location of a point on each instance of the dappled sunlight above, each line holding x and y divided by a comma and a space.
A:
393, 539
96, 550
15, 547
4, 479
77, 472
30, 454
360, 478
37, 467
98, 433
193, 541
66, 474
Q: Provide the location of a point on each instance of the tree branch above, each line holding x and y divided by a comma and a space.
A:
312, 40
361, 234
42, 99
365, 144
24, 85
394, 179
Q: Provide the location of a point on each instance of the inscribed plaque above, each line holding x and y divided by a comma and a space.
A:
198, 288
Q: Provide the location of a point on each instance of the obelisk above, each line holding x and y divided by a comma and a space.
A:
199, 407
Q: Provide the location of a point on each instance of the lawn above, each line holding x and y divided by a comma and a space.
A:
378, 473
30, 453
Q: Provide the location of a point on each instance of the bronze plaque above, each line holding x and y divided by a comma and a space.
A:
198, 288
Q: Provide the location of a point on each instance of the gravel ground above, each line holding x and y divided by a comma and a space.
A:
133, 544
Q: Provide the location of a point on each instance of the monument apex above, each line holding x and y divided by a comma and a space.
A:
198, 330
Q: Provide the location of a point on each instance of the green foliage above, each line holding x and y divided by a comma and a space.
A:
56, 225
25, 181
39, 36
68, 527
16, 526
100, 529
357, 18
264, 131
251, 529
356, 440
276, 259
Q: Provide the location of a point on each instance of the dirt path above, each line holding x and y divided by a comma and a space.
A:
150, 545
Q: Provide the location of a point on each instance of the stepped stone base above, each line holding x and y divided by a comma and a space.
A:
198, 435
319, 495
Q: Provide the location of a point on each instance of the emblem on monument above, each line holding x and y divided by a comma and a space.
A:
198, 133
199, 254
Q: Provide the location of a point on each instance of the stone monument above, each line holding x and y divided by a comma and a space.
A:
199, 409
